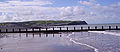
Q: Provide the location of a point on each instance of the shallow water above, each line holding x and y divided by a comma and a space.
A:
106, 41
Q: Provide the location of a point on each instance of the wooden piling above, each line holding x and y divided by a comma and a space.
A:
46, 29
81, 28
6, 30
102, 27
88, 27
116, 27
95, 27
32, 29
19, 30
109, 27
0, 30
26, 29
39, 29
60, 28
74, 28
13, 30
67, 28
53, 28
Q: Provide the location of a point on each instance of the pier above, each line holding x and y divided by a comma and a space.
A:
57, 29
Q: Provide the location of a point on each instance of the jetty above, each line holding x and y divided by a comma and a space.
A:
56, 29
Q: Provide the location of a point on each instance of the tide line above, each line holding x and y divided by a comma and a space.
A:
72, 40
108, 33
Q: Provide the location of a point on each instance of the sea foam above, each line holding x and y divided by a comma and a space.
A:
72, 40
105, 32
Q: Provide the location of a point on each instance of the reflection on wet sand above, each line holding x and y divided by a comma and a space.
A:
39, 35
19, 34
30, 34
2, 35
39, 42
26, 34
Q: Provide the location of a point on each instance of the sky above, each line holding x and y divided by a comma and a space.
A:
91, 11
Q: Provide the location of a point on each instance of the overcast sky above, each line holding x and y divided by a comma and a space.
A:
91, 11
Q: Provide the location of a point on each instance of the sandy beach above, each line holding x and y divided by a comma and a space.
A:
91, 41
40, 43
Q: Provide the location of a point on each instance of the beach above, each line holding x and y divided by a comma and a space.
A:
40, 43
91, 41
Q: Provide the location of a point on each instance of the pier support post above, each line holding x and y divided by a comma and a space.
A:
96, 27
81, 28
39, 29
26, 29
6, 30
109, 27
88, 27
116, 27
102, 27
13, 30
67, 28
0, 30
60, 29
74, 28
19, 30
46, 29
32, 29
53, 28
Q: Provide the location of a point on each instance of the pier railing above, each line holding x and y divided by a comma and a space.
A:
57, 29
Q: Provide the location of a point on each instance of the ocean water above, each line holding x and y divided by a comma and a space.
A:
100, 41
91, 41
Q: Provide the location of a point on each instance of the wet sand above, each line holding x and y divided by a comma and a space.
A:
100, 41
40, 43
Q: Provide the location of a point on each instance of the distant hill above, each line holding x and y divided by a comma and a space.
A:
41, 23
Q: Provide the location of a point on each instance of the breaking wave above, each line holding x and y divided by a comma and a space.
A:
72, 40
108, 33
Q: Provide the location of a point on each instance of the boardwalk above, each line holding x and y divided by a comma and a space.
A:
56, 29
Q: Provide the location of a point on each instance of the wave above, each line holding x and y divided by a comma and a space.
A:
104, 32
72, 40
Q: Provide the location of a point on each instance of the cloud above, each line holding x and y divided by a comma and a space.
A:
27, 13
17, 10
90, 11
108, 14
23, 3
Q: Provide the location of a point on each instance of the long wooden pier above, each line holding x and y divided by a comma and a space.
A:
59, 29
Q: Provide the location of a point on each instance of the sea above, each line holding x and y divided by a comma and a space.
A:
88, 41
